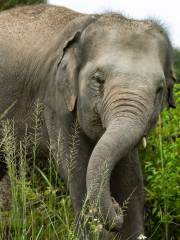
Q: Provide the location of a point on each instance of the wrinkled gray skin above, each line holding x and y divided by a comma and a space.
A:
111, 73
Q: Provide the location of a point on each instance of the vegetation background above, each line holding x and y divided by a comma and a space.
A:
5, 4
41, 207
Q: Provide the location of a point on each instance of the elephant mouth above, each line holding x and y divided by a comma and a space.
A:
96, 129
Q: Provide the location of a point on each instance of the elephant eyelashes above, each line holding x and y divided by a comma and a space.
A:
99, 77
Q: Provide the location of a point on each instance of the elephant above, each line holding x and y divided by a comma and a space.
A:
112, 76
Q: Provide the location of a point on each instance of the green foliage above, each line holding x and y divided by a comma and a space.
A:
161, 172
5, 4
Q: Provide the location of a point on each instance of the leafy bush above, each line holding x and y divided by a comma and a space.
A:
161, 172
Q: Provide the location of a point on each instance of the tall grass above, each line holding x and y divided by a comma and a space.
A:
40, 205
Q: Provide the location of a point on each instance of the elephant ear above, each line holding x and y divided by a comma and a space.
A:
69, 59
171, 79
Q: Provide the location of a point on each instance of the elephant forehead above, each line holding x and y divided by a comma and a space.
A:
123, 56
103, 41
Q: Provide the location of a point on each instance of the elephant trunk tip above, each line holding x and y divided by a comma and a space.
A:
112, 224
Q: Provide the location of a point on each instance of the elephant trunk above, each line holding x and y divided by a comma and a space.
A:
122, 134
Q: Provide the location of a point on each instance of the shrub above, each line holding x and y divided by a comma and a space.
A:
161, 173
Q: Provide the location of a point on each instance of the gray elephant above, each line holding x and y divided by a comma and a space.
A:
112, 75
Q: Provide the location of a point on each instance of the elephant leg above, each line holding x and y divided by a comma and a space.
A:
71, 162
127, 189
77, 173
77, 186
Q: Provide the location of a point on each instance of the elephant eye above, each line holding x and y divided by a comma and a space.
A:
98, 77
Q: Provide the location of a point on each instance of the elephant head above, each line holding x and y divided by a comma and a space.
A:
116, 75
